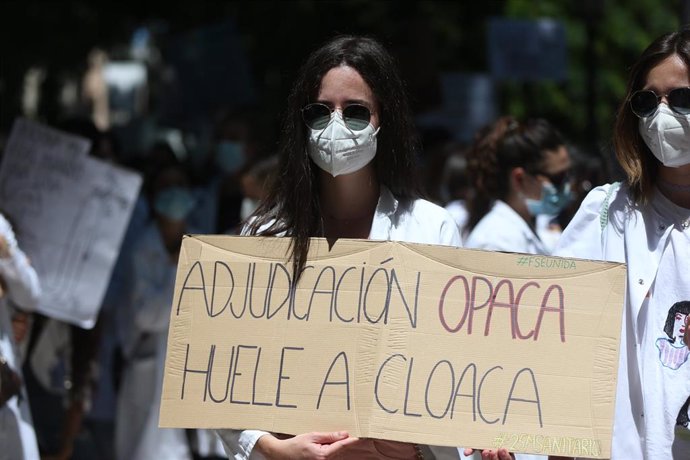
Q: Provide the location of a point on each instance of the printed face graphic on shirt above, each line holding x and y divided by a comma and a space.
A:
673, 350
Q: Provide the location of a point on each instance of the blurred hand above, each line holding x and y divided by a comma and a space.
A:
4, 248
65, 454
319, 446
20, 326
492, 454
10, 383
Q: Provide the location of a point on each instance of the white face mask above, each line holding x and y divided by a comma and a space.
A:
339, 150
667, 134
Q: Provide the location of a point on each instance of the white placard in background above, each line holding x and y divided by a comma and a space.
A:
70, 214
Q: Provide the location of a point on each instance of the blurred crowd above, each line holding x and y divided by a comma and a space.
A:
95, 393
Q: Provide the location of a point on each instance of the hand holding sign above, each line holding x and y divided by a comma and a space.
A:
305, 446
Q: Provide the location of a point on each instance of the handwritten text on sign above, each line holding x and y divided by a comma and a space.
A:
406, 342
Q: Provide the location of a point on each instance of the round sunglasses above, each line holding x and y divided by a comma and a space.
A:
644, 103
318, 115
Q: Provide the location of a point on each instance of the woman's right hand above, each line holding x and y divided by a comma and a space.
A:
492, 454
320, 446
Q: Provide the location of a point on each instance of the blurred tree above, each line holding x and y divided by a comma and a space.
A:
427, 37
604, 37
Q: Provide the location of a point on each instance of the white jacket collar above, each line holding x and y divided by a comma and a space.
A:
384, 216
515, 220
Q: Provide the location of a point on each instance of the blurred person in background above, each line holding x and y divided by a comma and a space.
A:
456, 188
219, 196
63, 363
256, 181
588, 171
520, 171
97, 436
95, 89
436, 146
153, 268
645, 222
19, 292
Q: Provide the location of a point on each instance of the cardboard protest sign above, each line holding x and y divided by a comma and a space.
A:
70, 213
408, 342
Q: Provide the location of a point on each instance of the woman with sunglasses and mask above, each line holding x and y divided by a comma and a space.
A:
347, 170
520, 173
645, 222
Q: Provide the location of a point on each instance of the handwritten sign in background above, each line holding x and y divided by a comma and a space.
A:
407, 342
70, 212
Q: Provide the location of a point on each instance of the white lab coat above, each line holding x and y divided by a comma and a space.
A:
17, 436
458, 209
636, 235
502, 229
418, 221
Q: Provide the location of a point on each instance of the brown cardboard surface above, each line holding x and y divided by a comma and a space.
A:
408, 342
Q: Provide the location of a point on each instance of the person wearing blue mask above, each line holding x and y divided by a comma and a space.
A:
230, 156
144, 327
520, 172
219, 200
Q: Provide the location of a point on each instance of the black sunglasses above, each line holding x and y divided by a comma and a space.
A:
557, 180
317, 116
644, 103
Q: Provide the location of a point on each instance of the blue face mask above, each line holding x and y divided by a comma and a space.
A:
229, 156
174, 203
552, 200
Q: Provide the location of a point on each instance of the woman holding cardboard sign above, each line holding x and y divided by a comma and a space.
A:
645, 222
347, 170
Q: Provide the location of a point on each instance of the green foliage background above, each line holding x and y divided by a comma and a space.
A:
428, 37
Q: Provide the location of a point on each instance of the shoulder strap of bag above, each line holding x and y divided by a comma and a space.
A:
604, 210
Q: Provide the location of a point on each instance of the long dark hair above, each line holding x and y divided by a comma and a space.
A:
634, 156
292, 206
497, 150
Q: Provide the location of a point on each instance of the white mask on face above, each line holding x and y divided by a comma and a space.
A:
339, 150
667, 134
